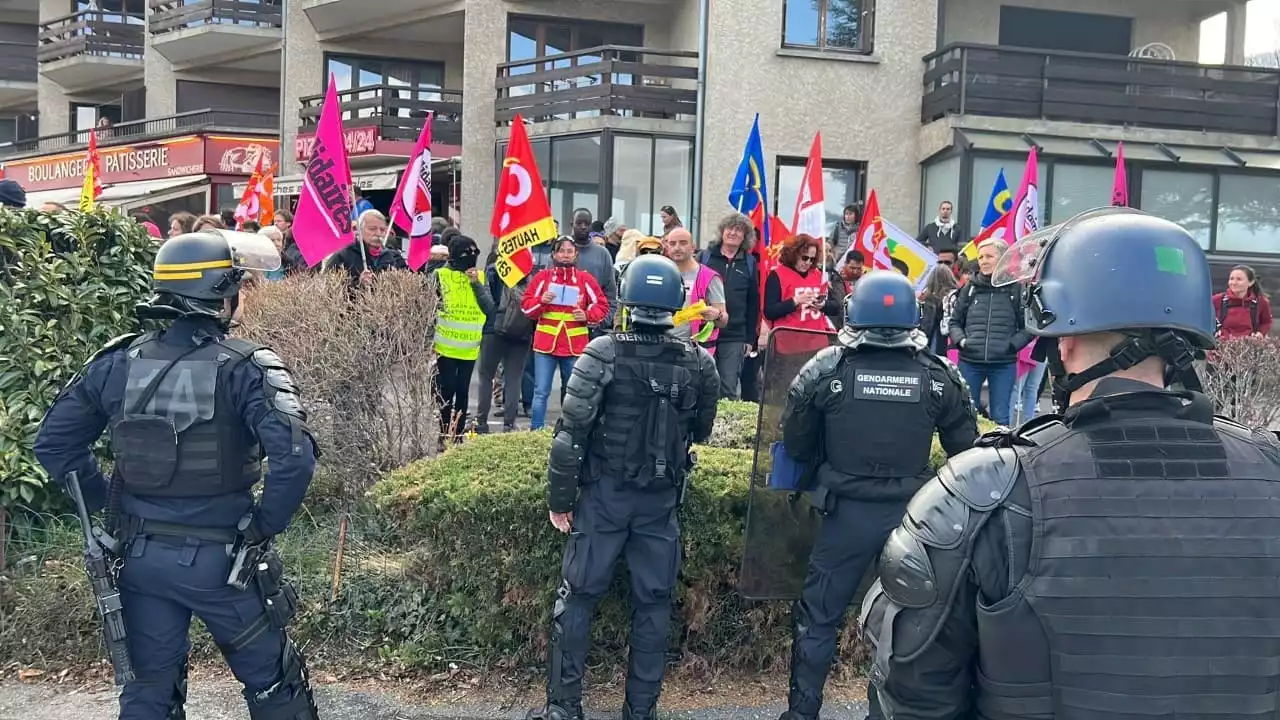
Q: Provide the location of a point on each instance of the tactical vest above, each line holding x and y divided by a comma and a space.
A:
460, 321
178, 432
1152, 588
881, 416
648, 369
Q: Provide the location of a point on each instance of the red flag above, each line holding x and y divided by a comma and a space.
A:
521, 213
411, 207
250, 203
870, 238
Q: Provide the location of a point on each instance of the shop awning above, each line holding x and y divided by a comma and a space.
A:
65, 196
379, 178
1171, 153
125, 194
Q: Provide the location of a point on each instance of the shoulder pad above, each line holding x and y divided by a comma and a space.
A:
594, 363
267, 359
242, 347
1231, 427
1262, 438
982, 477
602, 348
936, 516
116, 343
824, 362
906, 573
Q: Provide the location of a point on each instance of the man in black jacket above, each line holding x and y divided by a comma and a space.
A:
367, 255
988, 327
730, 257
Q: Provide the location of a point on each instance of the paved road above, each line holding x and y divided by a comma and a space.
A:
221, 700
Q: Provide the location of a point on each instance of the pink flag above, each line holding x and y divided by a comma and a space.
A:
1024, 219
1120, 188
411, 208
322, 222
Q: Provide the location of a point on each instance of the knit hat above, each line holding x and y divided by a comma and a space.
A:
12, 194
611, 226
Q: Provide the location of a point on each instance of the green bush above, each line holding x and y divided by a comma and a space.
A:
485, 560
68, 284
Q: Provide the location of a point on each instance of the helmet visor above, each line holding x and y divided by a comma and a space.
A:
1021, 262
251, 251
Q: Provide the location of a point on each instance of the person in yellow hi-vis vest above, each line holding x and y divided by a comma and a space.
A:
464, 304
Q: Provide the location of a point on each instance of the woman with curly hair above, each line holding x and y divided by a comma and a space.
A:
797, 295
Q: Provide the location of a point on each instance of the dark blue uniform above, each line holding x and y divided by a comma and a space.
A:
169, 576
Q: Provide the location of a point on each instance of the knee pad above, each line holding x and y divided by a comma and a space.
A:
290, 697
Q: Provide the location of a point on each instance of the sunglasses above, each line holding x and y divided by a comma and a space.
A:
808, 258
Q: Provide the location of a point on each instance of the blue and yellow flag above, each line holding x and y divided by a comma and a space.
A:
1000, 203
750, 192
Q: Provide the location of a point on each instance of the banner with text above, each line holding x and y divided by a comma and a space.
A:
521, 213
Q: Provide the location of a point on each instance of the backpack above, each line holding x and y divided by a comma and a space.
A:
657, 453
1223, 306
511, 322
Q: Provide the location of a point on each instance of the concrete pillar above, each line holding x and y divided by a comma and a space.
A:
55, 107
1237, 22
485, 38
162, 88
304, 76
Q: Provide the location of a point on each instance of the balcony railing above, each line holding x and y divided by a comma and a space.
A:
396, 110
17, 62
969, 79
91, 32
611, 80
150, 129
168, 15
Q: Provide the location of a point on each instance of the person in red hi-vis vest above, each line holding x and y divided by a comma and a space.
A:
563, 301
796, 296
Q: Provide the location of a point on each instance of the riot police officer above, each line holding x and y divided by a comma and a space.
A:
192, 414
864, 413
1115, 561
620, 456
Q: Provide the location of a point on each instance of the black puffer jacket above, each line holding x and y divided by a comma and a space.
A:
987, 324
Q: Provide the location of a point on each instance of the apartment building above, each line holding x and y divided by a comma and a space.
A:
185, 97
922, 100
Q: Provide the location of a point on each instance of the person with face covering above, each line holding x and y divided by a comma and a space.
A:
465, 302
597, 261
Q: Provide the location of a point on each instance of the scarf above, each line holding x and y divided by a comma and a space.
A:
944, 226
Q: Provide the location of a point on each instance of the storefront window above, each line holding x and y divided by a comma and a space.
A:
941, 184
672, 183
985, 172
575, 177
843, 183
633, 166
159, 212
1249, 214
1185, 198
1077, 188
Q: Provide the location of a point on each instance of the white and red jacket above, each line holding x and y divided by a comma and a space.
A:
557, 333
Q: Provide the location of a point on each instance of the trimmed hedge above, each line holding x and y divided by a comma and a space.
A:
474, 525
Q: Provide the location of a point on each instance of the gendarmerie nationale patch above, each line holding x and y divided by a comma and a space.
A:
888, 385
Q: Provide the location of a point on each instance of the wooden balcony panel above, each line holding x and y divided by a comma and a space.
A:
168, 15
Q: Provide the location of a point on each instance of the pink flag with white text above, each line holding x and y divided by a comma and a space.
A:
1120, 186
411, 208
322, 222
1024, 219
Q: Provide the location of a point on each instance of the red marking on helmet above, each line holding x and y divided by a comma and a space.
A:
888, 301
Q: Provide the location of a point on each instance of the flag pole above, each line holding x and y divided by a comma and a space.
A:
699, 138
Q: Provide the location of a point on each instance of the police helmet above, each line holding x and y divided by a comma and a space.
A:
195, 272
652, 290
882, 311
1117, 270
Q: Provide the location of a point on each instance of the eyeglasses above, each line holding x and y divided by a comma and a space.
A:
808, 258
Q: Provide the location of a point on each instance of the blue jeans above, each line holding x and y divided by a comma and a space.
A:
544, 373
999, 378
1025, 399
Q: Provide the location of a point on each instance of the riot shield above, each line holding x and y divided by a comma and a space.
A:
781, 523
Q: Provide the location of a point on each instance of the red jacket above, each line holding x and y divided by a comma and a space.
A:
557, 333
1235, 320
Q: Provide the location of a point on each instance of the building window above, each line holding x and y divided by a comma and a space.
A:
1076, 188
8, 130
844, 182
985, 172
1185, 198
843, 25
649, 173
574, 181
385, 78
941, 184
1248, 214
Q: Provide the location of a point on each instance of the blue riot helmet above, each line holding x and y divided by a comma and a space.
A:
651, 291
195, 273
882, 311
1123, 271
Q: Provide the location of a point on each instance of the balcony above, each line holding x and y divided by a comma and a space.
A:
17, 74
137, 131
91, 49
189, 32
333, 19
395, 112
612, 80
970, 79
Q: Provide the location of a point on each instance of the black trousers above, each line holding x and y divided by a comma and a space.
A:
849, 541
512, 354
607, 523
453, 383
